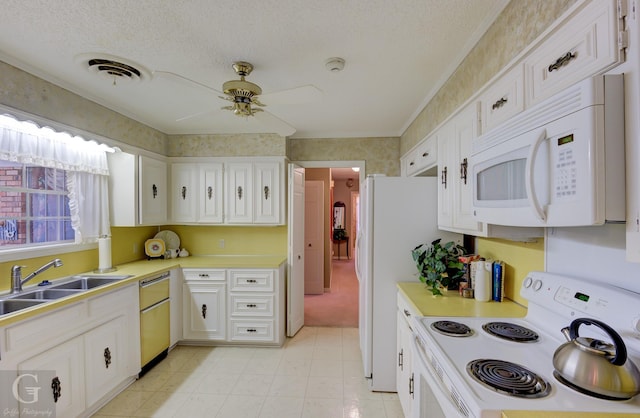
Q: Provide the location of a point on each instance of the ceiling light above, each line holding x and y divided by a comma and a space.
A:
335, 64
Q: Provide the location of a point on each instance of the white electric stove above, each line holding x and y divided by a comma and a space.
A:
521, 356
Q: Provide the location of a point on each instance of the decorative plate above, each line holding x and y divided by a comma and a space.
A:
154, 247
170, 238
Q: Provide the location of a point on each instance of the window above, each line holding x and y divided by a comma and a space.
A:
34, 205
53, 188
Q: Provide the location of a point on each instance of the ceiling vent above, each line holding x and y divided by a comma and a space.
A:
113, 68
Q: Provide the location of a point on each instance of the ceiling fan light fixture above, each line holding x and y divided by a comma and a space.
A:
335, 64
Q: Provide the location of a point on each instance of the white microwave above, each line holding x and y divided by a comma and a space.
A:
559, 163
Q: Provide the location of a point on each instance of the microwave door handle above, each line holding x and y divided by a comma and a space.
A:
531, 193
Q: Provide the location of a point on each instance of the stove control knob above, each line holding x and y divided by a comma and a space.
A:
537, 285
527, 282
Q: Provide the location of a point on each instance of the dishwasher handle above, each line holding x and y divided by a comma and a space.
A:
152, 281
155, 305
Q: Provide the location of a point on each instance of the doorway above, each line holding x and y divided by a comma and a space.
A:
337, 305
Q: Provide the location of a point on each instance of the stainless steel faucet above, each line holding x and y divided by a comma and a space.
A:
16, 274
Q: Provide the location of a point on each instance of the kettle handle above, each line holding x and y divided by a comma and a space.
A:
621, 350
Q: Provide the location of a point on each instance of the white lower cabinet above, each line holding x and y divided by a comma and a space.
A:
65, 386
405, 379
105, 358
204, 311
234, 305
85, 351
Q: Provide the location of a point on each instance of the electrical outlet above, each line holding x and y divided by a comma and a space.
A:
221, 243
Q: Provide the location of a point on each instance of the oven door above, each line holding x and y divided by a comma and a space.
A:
433, 399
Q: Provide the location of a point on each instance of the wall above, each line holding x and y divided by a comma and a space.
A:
381, 155
240, 145
205, 240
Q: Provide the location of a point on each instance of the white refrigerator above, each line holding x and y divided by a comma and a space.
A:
397, 214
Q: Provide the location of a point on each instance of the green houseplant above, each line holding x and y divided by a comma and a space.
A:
438, 264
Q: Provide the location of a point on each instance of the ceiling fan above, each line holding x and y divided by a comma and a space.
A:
245, 97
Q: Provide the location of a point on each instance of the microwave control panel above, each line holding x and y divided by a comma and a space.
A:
566, 178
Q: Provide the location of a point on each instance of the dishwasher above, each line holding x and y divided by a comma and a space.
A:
154, 320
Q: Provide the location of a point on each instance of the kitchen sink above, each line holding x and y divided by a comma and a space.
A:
67, 287
11, 305
88, 282
48, 294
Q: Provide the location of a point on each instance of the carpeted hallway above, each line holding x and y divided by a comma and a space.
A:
338, 308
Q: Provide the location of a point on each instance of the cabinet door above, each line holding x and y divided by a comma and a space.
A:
184, 192
153, 191
404, 380
204, 311
584, 46
267, 193
106, 358
445, 190
65, 360
503, 100
239, 178
466, 129
211, 193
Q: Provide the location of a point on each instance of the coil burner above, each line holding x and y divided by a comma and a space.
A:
509, 331
508, 378
452, 328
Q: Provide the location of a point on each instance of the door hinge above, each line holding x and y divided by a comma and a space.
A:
622, 8
623, 39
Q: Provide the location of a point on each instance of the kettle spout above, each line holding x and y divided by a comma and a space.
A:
567, 334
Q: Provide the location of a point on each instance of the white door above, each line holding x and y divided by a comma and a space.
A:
295, 286
314, 237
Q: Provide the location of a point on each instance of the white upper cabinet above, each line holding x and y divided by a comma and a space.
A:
421, 159
589, 43
196, 192
267, 191
503, 99
137, 190
240, 192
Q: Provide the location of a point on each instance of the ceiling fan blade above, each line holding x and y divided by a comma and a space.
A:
296, 95
272, 122
184, 81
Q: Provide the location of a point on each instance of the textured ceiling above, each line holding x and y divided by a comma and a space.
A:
398, 53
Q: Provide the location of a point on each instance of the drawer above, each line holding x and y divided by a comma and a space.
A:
503, 100
252, 330
44, 329
251, 280
406, 309
584, 46
153, 291
249, 305
422, 158
204, 274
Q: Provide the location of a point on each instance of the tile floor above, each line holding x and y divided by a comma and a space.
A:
316, 374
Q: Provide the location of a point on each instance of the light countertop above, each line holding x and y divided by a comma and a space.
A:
452, 304
564, 414
142, 269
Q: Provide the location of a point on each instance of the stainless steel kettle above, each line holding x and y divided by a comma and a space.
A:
594, 366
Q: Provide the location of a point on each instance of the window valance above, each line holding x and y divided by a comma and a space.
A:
28, 143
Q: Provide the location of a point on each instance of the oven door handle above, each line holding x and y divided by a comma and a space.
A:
530, 186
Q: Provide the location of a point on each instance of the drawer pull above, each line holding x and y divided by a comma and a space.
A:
252, 330
425, 154
499, 103
411, 163
407, 313
203, 275
107, 357
56, 387
400, 359
204, 311
251, 305
563, 60
252, 281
